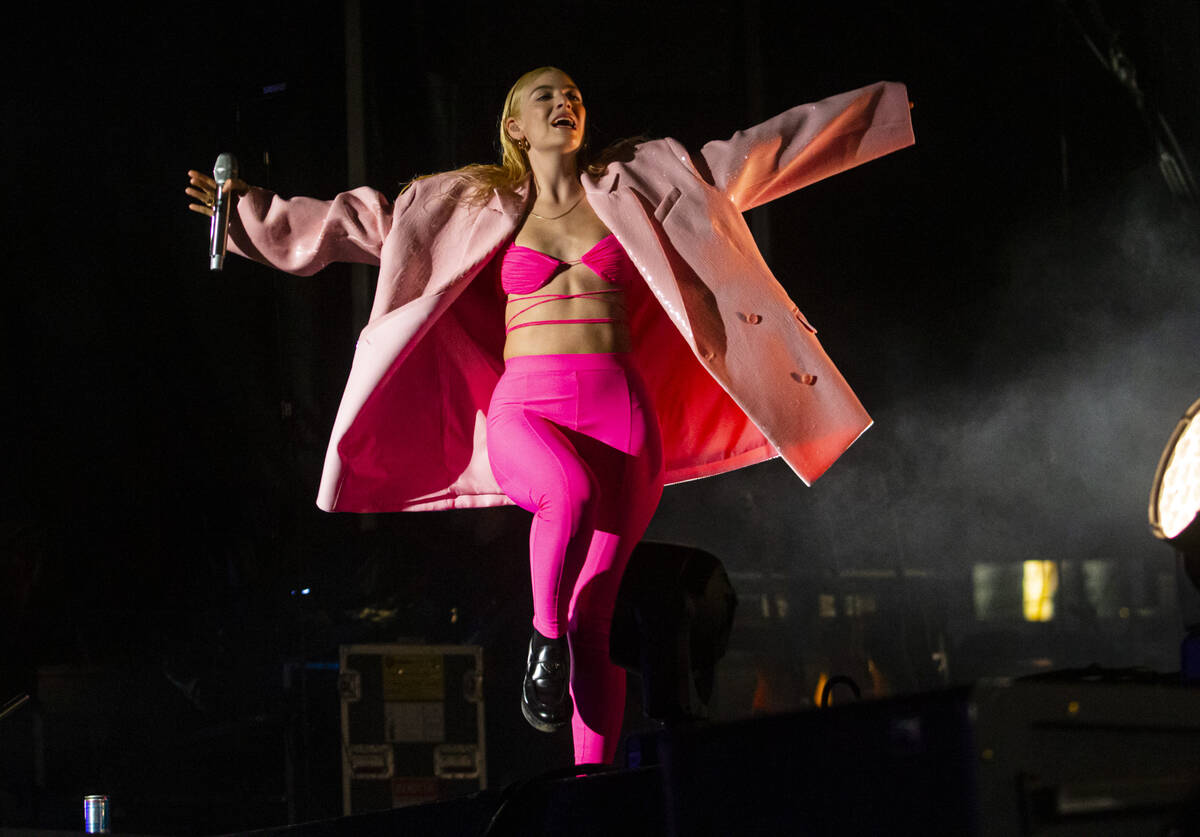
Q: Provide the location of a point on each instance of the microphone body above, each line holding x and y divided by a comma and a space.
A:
226, 168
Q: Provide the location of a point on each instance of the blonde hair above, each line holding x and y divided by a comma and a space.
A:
483, 179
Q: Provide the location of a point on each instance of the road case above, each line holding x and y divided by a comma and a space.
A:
412, 724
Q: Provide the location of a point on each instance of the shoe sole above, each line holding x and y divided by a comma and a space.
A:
540, 725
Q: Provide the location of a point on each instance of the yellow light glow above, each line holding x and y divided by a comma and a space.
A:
1039, 586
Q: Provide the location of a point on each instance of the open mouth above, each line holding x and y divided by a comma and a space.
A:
564, 122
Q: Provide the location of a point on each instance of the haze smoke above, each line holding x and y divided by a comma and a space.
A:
1048, 451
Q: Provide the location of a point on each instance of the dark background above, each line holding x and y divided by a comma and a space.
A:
1014, 299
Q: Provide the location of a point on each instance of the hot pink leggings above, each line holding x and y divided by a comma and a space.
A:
574, 439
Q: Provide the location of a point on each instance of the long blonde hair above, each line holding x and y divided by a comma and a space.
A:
483, 179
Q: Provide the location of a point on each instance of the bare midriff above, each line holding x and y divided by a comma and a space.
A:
567, 239
569, 338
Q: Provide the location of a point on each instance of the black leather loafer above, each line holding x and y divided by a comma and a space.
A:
545, 699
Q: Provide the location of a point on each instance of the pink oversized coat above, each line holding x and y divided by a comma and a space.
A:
736, 372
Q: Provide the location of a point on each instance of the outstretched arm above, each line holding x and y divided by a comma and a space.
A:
809, 143
300, 235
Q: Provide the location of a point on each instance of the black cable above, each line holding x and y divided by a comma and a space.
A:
13, 704
839, 680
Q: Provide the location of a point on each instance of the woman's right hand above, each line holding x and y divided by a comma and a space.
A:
203, 190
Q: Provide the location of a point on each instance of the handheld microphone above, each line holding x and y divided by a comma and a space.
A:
226, 168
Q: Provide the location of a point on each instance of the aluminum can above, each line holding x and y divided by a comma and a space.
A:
95, 814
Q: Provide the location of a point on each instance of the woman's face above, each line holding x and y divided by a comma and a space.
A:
550, 114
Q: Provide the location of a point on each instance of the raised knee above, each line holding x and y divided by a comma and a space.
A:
575, 502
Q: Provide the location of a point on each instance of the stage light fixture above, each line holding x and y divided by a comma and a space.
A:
1175, 495
1175, 518
671, 625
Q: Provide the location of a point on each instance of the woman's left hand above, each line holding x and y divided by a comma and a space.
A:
203, 190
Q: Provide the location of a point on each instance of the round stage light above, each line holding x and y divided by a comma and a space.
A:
1175, 496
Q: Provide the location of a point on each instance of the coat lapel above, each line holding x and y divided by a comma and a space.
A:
510, 204
631, 219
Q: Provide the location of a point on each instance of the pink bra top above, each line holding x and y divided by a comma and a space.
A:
523, 270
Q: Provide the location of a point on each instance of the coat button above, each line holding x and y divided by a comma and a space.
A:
752, 319
804, 378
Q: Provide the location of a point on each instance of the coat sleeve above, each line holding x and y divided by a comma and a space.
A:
303, 235
809, 143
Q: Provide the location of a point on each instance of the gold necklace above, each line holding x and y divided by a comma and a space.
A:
556, 217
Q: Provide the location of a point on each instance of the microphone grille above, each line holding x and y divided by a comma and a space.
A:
226, 167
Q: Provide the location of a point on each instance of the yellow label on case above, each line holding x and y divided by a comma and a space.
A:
415, 678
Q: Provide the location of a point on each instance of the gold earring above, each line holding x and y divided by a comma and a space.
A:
523, 144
